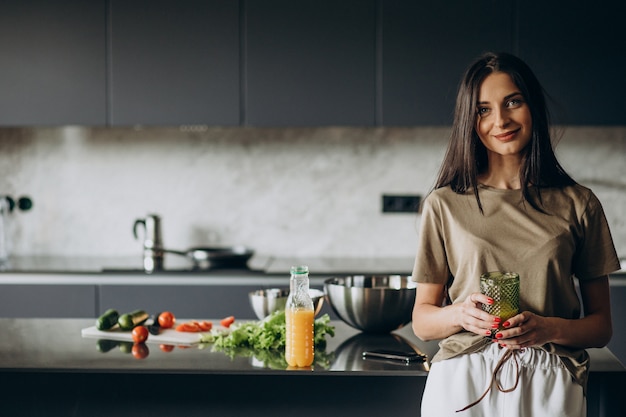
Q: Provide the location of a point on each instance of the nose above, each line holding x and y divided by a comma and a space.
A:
501, 117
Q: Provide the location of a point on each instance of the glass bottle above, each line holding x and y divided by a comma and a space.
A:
299, 318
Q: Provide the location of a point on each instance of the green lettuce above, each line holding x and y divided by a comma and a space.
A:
266, 339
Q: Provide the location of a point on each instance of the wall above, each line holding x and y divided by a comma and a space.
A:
284, 192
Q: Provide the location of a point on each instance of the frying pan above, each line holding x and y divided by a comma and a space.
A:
216, 257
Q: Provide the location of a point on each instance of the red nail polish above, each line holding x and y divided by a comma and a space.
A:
506, 324
488, 333
495, 325
490, 301
497, 319
499, 336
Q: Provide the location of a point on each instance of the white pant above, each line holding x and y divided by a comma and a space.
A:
545, 387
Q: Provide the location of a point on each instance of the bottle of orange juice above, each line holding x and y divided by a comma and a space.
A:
299, 316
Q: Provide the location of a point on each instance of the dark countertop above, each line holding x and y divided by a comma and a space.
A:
48, 369
56, 345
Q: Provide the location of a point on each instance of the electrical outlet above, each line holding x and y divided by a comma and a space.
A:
401, 203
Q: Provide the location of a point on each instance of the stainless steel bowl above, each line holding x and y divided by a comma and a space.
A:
372, 303
265, 302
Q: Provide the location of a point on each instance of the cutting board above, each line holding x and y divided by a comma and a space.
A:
166, 336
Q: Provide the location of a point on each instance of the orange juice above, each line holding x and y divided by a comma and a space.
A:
299, 337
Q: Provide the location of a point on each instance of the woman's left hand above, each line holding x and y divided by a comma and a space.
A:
524, 330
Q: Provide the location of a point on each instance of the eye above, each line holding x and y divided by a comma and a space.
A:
514, 102
482, 111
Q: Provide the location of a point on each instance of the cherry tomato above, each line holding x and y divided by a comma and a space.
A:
140, 351
204, 326
227, 321
166, 320
166, 348
188, 327
140, 334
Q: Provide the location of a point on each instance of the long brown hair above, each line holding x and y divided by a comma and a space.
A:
466, 156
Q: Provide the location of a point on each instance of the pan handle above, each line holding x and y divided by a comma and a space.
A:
176, 252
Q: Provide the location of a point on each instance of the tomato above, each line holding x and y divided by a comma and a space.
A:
140, 351
140, 334
166, 320
166, 348
195, 326
205, 326
227, 321
188, 327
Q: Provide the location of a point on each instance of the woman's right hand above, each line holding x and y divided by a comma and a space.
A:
433, 321
472, 317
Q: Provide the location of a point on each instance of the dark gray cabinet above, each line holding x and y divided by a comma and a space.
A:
426, 46
186, 301
295, 63
51, 301
310, 62
174, 62
579, 54
52, 62
190, 301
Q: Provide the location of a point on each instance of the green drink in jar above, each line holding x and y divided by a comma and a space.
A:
503, 288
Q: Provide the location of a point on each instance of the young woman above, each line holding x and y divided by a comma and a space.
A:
502, 202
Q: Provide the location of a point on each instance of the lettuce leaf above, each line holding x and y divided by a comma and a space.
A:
265, 335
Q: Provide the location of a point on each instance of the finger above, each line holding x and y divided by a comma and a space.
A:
478, 298
516, 320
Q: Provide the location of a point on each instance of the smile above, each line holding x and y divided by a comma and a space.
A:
506, 136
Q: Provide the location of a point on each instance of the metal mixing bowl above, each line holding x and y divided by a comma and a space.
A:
265, 302
374, 303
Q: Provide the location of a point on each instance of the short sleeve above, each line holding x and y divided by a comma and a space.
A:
595, 254
431, 265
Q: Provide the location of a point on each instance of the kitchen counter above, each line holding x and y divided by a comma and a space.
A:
48, 360
258, 265
56, 345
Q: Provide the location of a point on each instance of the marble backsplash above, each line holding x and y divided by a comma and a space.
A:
303, 192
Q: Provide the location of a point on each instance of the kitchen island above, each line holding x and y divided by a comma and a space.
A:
48, 368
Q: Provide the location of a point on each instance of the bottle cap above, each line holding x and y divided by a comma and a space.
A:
299, 270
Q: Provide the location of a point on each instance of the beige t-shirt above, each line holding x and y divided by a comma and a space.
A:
572, 239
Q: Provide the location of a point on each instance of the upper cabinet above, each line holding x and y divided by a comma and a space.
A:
310, 62
426, 46
295, 63
52, 62
578, 52
174, 62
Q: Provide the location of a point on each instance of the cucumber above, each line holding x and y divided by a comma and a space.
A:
129, 320
107, 320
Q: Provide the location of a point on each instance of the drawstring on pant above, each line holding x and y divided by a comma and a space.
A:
494, 377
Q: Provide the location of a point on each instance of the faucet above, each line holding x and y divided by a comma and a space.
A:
7, 204
153, 253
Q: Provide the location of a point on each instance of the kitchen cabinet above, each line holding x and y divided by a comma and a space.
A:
579, 54
426, 48
192, 301
62, 301
310, 63
174, 63
53, 62
283, 63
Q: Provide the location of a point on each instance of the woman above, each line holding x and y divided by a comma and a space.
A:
502, 202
